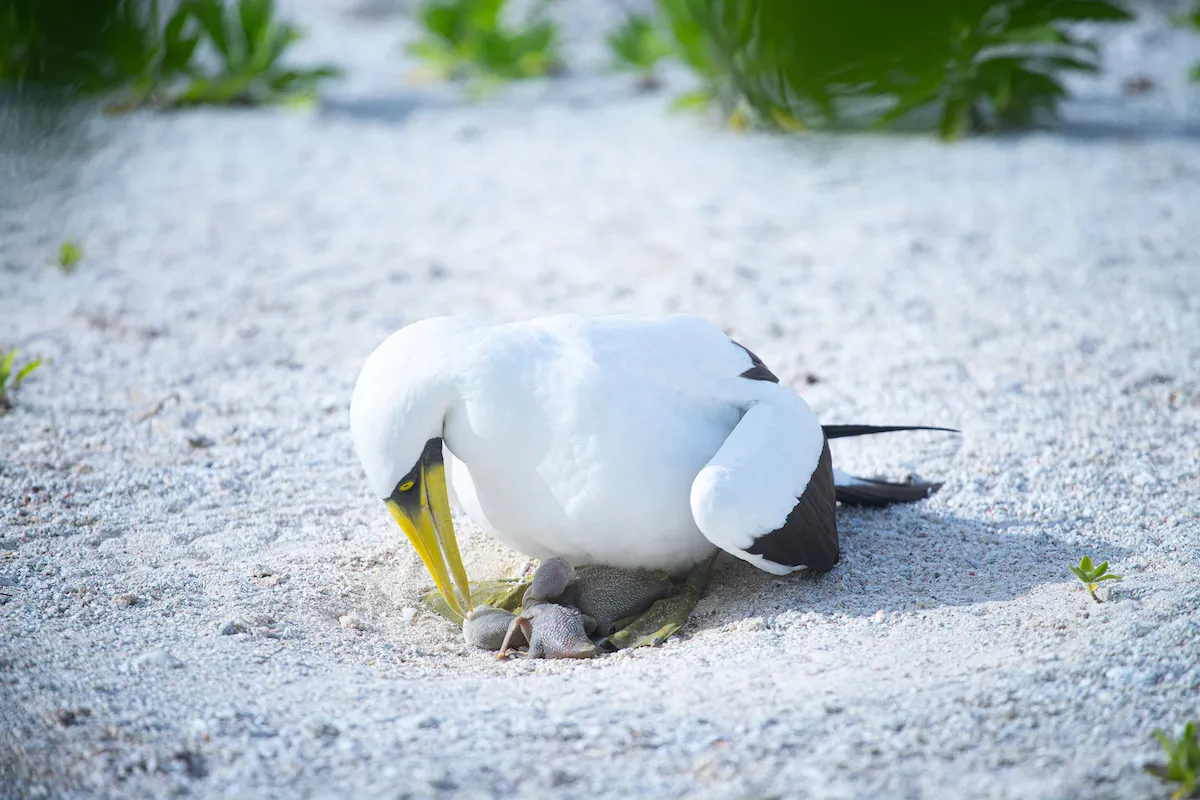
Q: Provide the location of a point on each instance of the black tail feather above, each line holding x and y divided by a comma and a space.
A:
877, 494
841, 431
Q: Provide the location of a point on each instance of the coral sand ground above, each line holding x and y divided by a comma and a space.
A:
199, 594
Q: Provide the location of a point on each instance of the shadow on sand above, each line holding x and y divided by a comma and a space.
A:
905, 558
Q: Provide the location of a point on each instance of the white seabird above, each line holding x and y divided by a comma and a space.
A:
623, 441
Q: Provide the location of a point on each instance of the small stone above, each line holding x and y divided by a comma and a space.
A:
68, 717
125, 600
408, 613
352, 622
200, 442
879, 617
323, 730
157, 658
194, 763
230, 627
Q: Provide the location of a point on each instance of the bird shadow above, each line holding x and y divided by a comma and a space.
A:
905, 559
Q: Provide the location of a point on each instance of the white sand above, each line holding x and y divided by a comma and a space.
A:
1042, 292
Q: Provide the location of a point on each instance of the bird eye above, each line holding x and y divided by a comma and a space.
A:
404, 487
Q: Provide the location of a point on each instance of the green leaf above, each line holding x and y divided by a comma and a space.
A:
692, 101
465, 37
1100, 570
636, 45
256, 17
6, 366
445, 22
954, 117
1035, 34
1108, 577
1086, 565
211, 16
1083, 576
1089, 11
23, 373
178, 48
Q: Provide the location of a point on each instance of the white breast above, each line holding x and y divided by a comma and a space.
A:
582, 437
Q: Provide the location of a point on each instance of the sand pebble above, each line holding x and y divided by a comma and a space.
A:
231, 626
157, 658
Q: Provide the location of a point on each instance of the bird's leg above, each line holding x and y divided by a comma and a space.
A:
667, 615
523, 625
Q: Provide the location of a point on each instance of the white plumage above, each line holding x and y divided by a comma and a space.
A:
626, 441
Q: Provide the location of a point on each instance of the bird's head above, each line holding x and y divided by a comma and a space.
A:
397, 415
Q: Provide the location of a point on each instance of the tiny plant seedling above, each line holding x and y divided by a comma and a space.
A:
1183, 762
69, 255
1091, 575
10, 380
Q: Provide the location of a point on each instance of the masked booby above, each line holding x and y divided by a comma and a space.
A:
623, 441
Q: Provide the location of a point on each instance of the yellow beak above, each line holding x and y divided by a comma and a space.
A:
428, 526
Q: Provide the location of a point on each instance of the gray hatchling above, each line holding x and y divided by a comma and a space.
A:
609, 594
550, 580
553, 631
487, 626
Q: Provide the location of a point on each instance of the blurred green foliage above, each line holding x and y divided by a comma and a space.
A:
1193, 20
973, 64
473, 39
203, 51
637, 46
1183, 761
10, 380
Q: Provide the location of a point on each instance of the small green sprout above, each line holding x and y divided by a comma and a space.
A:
1091, 575
69, 255
1183, 762
10, 381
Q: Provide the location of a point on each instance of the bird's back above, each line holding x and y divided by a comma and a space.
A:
582, 436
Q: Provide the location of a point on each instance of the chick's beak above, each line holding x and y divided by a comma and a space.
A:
424, 516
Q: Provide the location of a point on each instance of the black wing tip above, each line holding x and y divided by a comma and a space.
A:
758, 370
842, 431
809, 535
